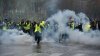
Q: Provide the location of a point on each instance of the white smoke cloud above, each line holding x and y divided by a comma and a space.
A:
14, 37
61, 18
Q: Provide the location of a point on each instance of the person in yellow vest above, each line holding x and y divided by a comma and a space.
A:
21, 25
38, 32
42, 25
71, 23
27, 27
87, 27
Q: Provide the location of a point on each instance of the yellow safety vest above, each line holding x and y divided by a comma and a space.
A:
42, 24
37, 28
72, 25
27, 26
87, 27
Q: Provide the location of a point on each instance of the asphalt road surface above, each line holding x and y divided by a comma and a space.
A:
49, 49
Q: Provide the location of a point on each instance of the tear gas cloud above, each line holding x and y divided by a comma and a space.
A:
61, 18
14, 36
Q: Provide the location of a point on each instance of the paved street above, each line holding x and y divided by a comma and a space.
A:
49, 49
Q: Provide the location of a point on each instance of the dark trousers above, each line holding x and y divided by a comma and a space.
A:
38, 37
